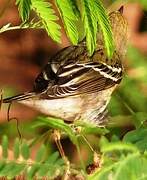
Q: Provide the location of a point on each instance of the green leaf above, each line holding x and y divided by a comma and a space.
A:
86, 128
48, 18
53, 163
25, 150
102, 174
132, 167
139, 118
6, 169
16, 170
93, 12
60, 125
43, 170
52, 158
136, 100
16, 148
5, 146
24, 7
32, 171
2, 165
41, 153
74, 6
90, 24
118, 146
54, 172
103, 142
70, 18
105, 26
137, 137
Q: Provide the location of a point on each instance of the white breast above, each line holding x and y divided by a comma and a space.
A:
85, 107
65, 108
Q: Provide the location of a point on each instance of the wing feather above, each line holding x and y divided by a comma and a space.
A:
73, 72
81, 78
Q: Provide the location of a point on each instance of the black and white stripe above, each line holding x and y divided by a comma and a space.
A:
110, 72
84, 78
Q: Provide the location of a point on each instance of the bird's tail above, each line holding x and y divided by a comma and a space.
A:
19, 97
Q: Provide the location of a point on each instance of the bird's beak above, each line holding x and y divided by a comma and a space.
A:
121, 9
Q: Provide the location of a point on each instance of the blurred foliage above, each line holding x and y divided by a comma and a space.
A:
121, 146
131, 98
42, 165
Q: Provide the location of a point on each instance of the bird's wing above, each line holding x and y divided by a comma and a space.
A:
73, 72
48, 76
84, 78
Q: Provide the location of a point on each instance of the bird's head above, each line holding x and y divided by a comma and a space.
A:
120, 30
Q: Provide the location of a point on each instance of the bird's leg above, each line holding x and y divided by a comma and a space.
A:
57, 137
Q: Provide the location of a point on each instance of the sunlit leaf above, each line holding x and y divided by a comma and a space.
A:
24, 7
47, 15
90, 24
104, 24
69, 17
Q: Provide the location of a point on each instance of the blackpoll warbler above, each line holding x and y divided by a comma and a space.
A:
73, 85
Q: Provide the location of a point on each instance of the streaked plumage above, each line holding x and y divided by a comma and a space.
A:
75, 86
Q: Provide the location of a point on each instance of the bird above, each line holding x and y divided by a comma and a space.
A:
76, 86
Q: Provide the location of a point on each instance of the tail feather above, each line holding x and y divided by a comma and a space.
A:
19, 97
